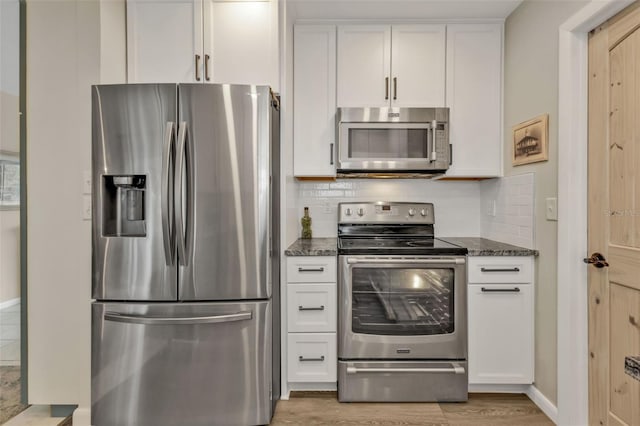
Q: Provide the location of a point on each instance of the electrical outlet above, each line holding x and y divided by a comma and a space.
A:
326, 208
86, 207
552, 209
86, 182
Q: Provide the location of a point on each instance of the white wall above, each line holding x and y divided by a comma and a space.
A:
63, 58
530, 89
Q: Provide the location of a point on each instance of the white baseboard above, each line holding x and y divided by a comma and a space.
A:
543, 403
9, 303
82, 416
489, 388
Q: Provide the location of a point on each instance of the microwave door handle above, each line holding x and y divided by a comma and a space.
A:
434, 155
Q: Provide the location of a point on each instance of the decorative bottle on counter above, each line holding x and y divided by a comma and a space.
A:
306, 224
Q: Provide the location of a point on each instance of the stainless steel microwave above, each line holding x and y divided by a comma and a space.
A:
393, 141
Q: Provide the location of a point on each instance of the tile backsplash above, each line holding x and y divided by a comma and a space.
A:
508, 210
457, 204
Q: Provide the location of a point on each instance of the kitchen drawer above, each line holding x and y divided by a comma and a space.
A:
312, 357
311, 308
500, 269
311, 269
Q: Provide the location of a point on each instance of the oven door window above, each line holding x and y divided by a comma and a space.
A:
401, 301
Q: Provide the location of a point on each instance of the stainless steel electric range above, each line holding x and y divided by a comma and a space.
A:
402, 306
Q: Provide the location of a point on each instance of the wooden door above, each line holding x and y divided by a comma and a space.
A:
364, 65
163, 39
614, 218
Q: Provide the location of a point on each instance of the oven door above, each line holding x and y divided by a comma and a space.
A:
402, 308
388, 147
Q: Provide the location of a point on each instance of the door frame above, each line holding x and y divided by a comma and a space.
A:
573, 382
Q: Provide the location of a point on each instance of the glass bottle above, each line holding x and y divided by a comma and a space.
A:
306, 224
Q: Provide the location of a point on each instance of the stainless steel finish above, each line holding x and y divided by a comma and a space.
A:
303, 359
385, 212
395, 88
211, 319
386, 88
331, 154
207, 59
303, 308
228, 243
129, 135
455, 369
353, 346
435, 121
320, 269
500, 290
167, 195
179, 186
402, 381
500, 269
382, 260
199, 374
197, 67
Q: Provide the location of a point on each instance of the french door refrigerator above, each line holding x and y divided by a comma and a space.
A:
185, 269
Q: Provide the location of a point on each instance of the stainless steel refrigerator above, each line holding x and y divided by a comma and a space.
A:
185, 326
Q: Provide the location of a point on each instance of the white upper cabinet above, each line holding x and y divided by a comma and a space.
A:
474, 96
384, 65
196, 41
314, 100
417, 65
163, 39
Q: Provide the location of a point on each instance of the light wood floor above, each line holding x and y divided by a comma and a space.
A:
323, 408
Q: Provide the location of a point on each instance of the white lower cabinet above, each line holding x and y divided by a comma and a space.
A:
311, 322
501, 323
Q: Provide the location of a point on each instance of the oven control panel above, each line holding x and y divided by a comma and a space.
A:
385, 212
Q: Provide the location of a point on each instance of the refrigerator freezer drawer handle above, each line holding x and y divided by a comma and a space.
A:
167, 208
456, 369
141, 319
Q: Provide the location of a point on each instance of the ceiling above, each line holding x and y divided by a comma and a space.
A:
402, 9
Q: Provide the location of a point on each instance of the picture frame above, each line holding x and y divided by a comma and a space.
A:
531, 141
9, 180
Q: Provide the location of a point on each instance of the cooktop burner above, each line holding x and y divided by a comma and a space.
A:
390, 245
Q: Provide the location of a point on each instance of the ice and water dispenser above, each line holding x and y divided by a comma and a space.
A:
123, 209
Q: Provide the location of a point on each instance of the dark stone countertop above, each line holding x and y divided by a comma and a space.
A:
485, 247
632, 366
313, 247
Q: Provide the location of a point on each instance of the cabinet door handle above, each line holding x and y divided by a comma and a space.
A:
331, 154
500, 290
321, 269
500, 270
303, 359
207, 58
197, 67
395, 88
315, 308
386, 88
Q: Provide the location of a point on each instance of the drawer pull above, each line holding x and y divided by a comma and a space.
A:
315, 308
500, 270
500, 290
303, 359
320, 269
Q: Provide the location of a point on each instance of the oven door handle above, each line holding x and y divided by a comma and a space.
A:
455, 368
377, 261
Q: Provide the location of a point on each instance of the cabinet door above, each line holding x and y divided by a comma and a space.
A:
314, 100
163, 39
474, 94
501, 334
240, 42
364, 65
417, 65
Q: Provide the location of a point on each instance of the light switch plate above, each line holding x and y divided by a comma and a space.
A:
552, 209
491, 211
86, 207
86, 182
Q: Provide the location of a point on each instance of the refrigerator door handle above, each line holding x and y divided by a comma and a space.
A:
179, 189
210, 319
168, 225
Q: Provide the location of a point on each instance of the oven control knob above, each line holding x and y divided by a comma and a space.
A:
412, 212
348, 212
423, 212
360, 212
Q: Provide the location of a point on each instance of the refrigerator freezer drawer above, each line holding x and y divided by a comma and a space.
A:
181, 364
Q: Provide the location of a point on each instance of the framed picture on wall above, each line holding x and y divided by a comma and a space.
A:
530, 141
9, 180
